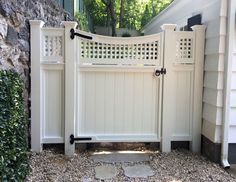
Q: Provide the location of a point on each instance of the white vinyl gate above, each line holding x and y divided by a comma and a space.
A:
92, 88
118, 95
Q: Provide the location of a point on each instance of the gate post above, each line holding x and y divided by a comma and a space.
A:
36, 118
198, 87
70, 86
168, 96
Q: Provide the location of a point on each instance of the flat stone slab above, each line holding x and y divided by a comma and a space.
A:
118, 157
138, 171
105, 172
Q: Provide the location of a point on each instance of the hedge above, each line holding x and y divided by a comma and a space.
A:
13, 128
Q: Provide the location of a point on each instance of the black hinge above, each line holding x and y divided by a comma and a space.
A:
73, 33
73, 139
160, 72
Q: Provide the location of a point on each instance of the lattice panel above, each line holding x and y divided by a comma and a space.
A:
52, 46
184, 50
94, 52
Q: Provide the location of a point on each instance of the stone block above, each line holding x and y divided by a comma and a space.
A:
12, 36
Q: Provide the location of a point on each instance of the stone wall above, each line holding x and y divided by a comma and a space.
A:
14, 32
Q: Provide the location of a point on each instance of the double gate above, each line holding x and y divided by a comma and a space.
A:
92, 88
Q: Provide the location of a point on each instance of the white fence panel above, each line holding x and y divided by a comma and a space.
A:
47, 81
52, 85
52, 88
106, 88
182, 94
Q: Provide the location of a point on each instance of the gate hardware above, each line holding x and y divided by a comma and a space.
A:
160, 72
73, 33
73, 139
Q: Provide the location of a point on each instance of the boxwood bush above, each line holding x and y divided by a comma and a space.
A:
13, 128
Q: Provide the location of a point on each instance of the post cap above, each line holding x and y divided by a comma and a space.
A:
198, 27
39, 23
70, 24
168, 26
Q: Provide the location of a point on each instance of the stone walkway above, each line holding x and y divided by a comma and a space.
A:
178, 165
133, 171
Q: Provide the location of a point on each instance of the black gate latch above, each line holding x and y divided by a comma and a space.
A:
73, 33
73, 139
160, 72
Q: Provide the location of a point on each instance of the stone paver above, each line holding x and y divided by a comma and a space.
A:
118, 157
105, 172
138, 171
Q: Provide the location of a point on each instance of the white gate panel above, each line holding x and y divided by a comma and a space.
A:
183, 86
118, 106
52, 86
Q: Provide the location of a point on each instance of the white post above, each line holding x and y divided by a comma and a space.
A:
36, 119
168, 96
70, 87
198, 87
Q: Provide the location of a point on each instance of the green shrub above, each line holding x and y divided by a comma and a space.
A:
13, 128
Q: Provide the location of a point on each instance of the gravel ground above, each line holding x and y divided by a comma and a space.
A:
179, 165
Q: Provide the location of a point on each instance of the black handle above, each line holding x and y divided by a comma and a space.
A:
73, 139
73, 33
160, 72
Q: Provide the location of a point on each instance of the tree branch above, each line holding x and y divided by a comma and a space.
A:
105, 2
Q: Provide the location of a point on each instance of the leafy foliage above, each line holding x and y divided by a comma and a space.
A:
81, 18
146, 16
13, 128
134, 14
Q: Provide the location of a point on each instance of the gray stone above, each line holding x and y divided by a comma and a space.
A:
11, 36
118, 157
3, 28
138, 171
24, 33
23, 45
41, 10
14, 32
87, 180
16, 19
105, 172
5, 8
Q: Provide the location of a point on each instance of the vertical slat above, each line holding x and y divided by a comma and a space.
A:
43, 100
138, 107
128, 102
148, 122
109, 102
119, 103
156, 102
81, 92
99, 102
90, 91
